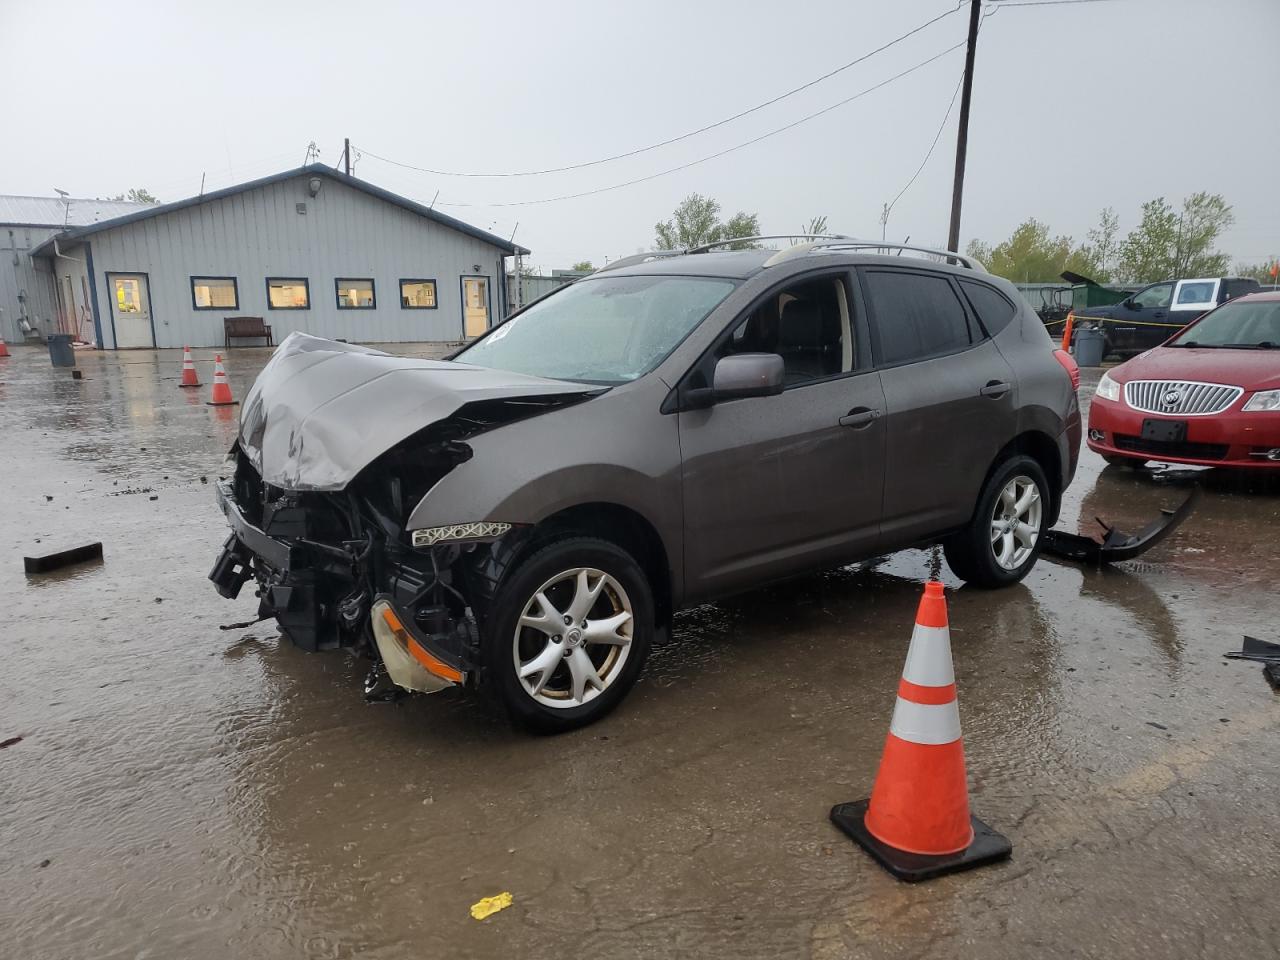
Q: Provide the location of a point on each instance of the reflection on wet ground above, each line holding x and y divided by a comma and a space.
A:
184, 791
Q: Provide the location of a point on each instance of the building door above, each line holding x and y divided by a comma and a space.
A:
131, 310
475, 306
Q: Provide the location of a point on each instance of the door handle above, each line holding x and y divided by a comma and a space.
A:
859, 417
1159, 314
995, 389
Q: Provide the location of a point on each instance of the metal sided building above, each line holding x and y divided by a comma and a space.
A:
310, 249
34, 301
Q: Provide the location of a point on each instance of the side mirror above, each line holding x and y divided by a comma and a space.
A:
1133, 304
747, 375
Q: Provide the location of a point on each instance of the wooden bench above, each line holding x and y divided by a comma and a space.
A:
244, 328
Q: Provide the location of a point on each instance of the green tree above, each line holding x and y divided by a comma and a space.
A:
1030, 255
137, 195
696, 221
817, 226
583, 265
1167, 245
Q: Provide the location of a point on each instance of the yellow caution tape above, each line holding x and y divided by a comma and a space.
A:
1127, 323
490, 905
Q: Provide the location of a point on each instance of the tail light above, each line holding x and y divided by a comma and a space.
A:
1069, 364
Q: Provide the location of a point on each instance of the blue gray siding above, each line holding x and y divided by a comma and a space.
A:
258, 234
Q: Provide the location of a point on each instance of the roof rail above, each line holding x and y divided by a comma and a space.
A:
635, 258
706, 247
833, 244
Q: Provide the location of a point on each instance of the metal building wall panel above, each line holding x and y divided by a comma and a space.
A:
259, 234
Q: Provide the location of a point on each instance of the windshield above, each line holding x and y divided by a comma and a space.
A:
600, 330
1244, 324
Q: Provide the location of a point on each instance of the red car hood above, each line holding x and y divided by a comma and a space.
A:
1251, 369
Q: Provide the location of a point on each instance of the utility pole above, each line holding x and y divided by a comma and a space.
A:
346, 152
962, 139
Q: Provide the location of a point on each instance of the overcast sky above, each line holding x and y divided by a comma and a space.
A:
1075, 107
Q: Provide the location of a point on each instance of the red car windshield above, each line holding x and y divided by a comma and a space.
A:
1242, 325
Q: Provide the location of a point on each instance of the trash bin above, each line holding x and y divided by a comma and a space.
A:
1090, 347
61, 353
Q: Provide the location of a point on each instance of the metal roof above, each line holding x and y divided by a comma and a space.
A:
54, 212
315, 169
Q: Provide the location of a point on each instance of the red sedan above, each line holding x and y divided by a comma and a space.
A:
1209, 396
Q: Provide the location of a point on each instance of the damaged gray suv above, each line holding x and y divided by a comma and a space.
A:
527, 515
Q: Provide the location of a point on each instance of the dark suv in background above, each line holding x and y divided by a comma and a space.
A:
526, 515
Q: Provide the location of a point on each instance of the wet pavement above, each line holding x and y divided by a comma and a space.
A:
183, 791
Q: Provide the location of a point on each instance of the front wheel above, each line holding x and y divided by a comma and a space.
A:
568, 634
1001, 544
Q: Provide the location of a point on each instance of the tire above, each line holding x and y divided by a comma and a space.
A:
973, 555
565, 700
1131, 462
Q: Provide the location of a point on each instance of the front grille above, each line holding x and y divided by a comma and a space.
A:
1183, 398
1172, 448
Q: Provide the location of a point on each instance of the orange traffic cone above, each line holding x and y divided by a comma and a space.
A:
917, 823
189, 378
221, 389
4, 350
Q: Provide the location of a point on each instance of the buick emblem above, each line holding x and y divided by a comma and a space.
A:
1170, 399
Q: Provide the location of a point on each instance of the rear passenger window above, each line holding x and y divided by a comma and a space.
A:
992, 309
916, 315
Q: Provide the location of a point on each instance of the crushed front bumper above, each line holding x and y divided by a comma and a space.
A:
321, 600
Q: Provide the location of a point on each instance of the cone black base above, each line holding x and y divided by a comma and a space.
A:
987, 847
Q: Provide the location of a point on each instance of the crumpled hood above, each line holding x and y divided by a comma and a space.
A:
322, 411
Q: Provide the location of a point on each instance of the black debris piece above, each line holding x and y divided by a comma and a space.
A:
1116, 545
1272, 672
10, 742
62, 558
1263, 651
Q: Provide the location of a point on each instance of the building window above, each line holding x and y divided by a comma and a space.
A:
288, 293
214, 293
418, 294
354, 294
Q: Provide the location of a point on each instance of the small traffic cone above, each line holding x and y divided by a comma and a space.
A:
189, 378
4, 350
221, 389
917, 823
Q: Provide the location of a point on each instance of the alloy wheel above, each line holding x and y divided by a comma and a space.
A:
1015, 522
572, 639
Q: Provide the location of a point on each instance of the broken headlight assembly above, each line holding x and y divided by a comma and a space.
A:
1108, 389
1264, 401
460, 532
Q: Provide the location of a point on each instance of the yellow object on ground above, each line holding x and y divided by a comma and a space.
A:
490, 905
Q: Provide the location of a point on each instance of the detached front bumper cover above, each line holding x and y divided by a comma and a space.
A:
1116, 545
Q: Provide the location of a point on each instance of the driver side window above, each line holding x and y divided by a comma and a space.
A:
807, 324
1161, 295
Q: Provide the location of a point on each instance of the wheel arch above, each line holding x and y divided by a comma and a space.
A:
1043, 449
620, 525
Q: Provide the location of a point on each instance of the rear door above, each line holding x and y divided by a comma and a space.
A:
777, 485
950, 398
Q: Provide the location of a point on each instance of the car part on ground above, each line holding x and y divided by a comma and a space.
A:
1115, 545
1264, 651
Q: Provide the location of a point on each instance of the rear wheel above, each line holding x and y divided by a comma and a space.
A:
1001, 544
568, 634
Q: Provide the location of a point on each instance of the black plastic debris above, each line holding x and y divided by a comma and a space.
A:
43, 563
10, 742
1116, 545
1263, 651
1272, 672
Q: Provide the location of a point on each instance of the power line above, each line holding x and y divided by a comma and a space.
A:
936, 137
720, 153
683, 136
